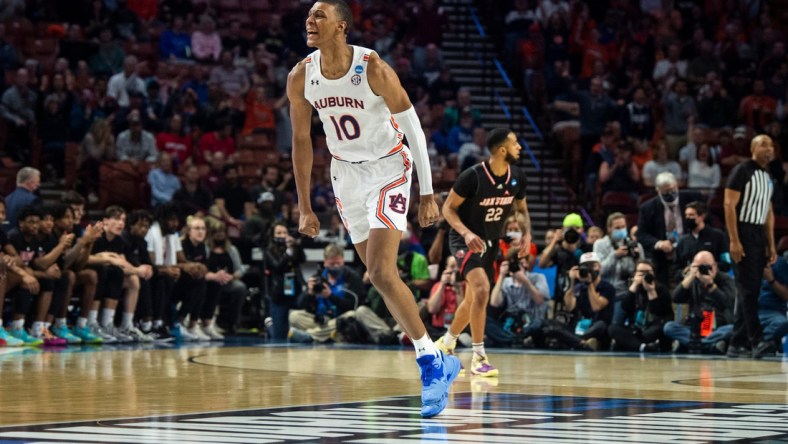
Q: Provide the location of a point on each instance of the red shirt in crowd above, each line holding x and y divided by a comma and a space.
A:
449, 306
259, 115
210, 142
179, 147
145, 9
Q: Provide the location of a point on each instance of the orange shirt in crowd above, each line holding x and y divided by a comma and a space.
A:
259, 115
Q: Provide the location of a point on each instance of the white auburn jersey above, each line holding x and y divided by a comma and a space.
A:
358, 124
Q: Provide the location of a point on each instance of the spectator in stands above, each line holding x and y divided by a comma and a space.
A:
461, 133
9, 55
162, 181
646, 308
679, 108
661, 223
231, 199
175, 142
175, 42
220, 140
122, 83
563, 251
135, 144
703, 64
234, 41
332, 292
192, 197
53, 132
214, 178
125, 24
285, 282
670, 68
453, 111
596, 233
473, 152
260, 112
738, 151
444, 298
716, 109
620, 175
28, 179
659, 164
18, 108
638, 117
618, 254
590, 300
703, 171
758, 109
521, 296
696, 135
699, 236
97, 147
711, 296
771, 302
206, 43
595, 110
231, 79
109, 59
444, 89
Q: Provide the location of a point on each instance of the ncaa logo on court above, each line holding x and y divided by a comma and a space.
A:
356, 79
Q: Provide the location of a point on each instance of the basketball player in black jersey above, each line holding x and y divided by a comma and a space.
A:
477, 208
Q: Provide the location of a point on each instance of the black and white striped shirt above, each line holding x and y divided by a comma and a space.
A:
756, 187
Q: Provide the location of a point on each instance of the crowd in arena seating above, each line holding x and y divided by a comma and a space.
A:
170, 119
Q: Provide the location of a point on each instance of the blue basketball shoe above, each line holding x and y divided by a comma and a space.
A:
437, 374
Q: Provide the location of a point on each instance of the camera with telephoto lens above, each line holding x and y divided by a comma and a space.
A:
587, 272
514, 264
648, 278
704, 269
632, 247
571, 236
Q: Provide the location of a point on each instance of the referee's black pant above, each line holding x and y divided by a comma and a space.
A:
747, 330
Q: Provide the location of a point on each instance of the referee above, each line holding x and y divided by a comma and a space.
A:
750, 223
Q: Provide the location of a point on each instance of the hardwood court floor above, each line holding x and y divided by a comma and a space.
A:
47, 387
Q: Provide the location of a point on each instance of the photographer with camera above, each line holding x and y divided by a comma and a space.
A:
645, 308
771, 302
522, 296
563, 251
711, 296
618, 253
444, 299
590, 300
332, 292
284, 279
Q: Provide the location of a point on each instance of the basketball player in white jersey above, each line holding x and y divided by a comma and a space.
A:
365, 114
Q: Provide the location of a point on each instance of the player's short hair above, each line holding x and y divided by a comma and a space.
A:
60, 209
343, 11
333, 250
72, 198
497, 137
27, 212
138, 215
700, 208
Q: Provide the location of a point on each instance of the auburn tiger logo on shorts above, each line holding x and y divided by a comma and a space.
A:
398, 203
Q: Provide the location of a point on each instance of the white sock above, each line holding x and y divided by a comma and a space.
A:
1, 322
60, 322
158, 323
107, 317
449, 339
424, 346
18, 324
478, 348
146, 326
93, 316
37, 327
127, 322
82, 322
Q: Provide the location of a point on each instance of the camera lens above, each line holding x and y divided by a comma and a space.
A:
571, 236
649, 278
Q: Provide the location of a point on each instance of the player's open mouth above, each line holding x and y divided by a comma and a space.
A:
311, 33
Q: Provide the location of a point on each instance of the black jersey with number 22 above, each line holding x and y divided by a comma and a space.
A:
488, 198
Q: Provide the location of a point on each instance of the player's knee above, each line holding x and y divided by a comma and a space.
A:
382, 278
71, 278
132, 282
88, 277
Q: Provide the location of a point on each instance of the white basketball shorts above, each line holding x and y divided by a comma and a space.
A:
373, 194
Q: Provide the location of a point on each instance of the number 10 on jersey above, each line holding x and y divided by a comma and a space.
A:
347, 126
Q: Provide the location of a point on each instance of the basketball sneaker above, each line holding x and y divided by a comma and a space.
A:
49, 339
211, 332
105, 336
87, 336
65, 333
10, 340
437, 374
480, 366
182, 334
22, 335
117, 334
135, 334
198, 333
160, 334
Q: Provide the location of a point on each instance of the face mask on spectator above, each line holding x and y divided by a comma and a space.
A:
514, 235
619, 234
691, 224
334, 271
669, 198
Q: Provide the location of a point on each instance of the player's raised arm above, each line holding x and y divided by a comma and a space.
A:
301, 120
385, 83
